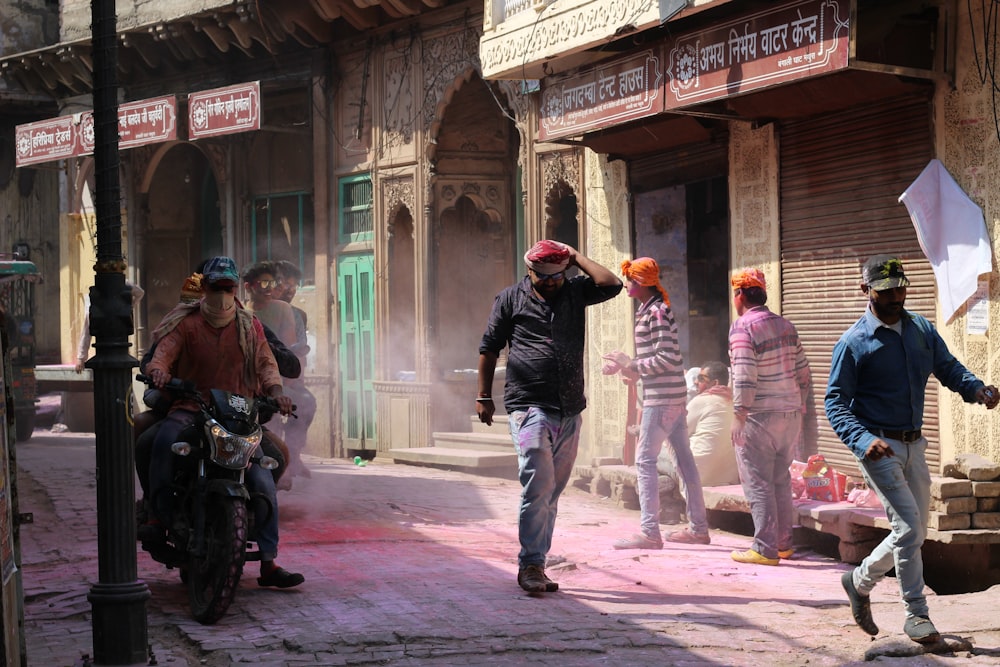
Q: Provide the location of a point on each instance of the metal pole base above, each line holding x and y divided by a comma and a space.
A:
119, 623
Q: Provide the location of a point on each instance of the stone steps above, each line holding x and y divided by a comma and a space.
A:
485, 450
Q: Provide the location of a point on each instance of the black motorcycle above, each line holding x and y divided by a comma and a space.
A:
212, 526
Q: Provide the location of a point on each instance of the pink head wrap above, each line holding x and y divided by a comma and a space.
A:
547, 257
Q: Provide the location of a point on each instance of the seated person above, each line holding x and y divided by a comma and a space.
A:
709, 418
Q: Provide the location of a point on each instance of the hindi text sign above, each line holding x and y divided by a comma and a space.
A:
139, 123
791, 41
611, 93
224, 110
45, 140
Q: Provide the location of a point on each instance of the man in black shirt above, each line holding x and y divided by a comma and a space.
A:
542, 320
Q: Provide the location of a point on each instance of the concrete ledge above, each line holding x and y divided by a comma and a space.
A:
856, 527
63, 377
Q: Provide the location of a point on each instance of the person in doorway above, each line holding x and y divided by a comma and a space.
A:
659, 366
296, 431
875, 404
219, 345
772, 388
263, 284
541, 319
709, 423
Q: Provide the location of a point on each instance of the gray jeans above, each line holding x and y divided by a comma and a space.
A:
767, 484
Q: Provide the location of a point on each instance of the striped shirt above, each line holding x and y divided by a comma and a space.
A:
770, 370
658, 355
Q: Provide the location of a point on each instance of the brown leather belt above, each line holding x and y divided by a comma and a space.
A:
903, 436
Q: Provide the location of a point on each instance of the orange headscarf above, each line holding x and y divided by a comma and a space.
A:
646, 272
748, 278
192, 290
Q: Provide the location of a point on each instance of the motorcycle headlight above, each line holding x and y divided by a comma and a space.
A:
230, 450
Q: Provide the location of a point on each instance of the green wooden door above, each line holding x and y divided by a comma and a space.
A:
356, 289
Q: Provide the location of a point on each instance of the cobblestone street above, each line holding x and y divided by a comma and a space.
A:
417, 566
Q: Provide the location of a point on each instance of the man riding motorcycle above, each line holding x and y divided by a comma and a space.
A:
218, 344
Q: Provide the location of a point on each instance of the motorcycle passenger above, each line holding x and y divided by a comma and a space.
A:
218, 345
264, 284
146, 424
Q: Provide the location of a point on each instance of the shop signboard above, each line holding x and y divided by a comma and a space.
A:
139, 123
790, 41
45, 140
224, 110
608, 94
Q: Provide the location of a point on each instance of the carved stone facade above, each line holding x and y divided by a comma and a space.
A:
968, 144
518, 47
753, 204
609, 325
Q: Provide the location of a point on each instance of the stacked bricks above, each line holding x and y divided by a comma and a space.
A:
968, 496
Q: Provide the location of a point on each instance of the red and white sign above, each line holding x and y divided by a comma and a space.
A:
139, 123
790, 41
611, 93
45, 140
224, 111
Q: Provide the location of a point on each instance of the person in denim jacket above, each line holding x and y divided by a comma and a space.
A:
875, 403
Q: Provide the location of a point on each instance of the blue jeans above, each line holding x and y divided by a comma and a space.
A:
668, 423
764, 461
903, 484
546, 445
161, 476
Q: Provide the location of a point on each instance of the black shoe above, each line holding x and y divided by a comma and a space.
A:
921, 630
861, 606
532, 579
550, 586
279, 577
151, 533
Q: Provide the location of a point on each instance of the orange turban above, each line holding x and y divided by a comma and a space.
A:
646, 272
749, 278
192, 290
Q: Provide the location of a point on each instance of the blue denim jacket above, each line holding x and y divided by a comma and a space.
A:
878, 378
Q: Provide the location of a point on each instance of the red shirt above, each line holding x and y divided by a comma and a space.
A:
212, 359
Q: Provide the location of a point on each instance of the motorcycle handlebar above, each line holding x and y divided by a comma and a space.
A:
175, 384
188, 388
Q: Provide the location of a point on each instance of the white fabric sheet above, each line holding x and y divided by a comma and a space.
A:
952, 234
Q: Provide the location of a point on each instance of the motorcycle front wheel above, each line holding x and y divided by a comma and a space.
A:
212, 580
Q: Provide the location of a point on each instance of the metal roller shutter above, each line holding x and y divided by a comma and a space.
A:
841, 177
686, 164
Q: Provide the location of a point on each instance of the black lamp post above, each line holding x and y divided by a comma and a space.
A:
118, 599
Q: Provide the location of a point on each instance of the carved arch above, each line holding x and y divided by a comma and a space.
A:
397, 194
215, 155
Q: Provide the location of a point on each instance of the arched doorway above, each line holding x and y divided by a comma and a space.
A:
474, 239
180, 225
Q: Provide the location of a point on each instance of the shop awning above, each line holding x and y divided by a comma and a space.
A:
219, 38
775, 62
